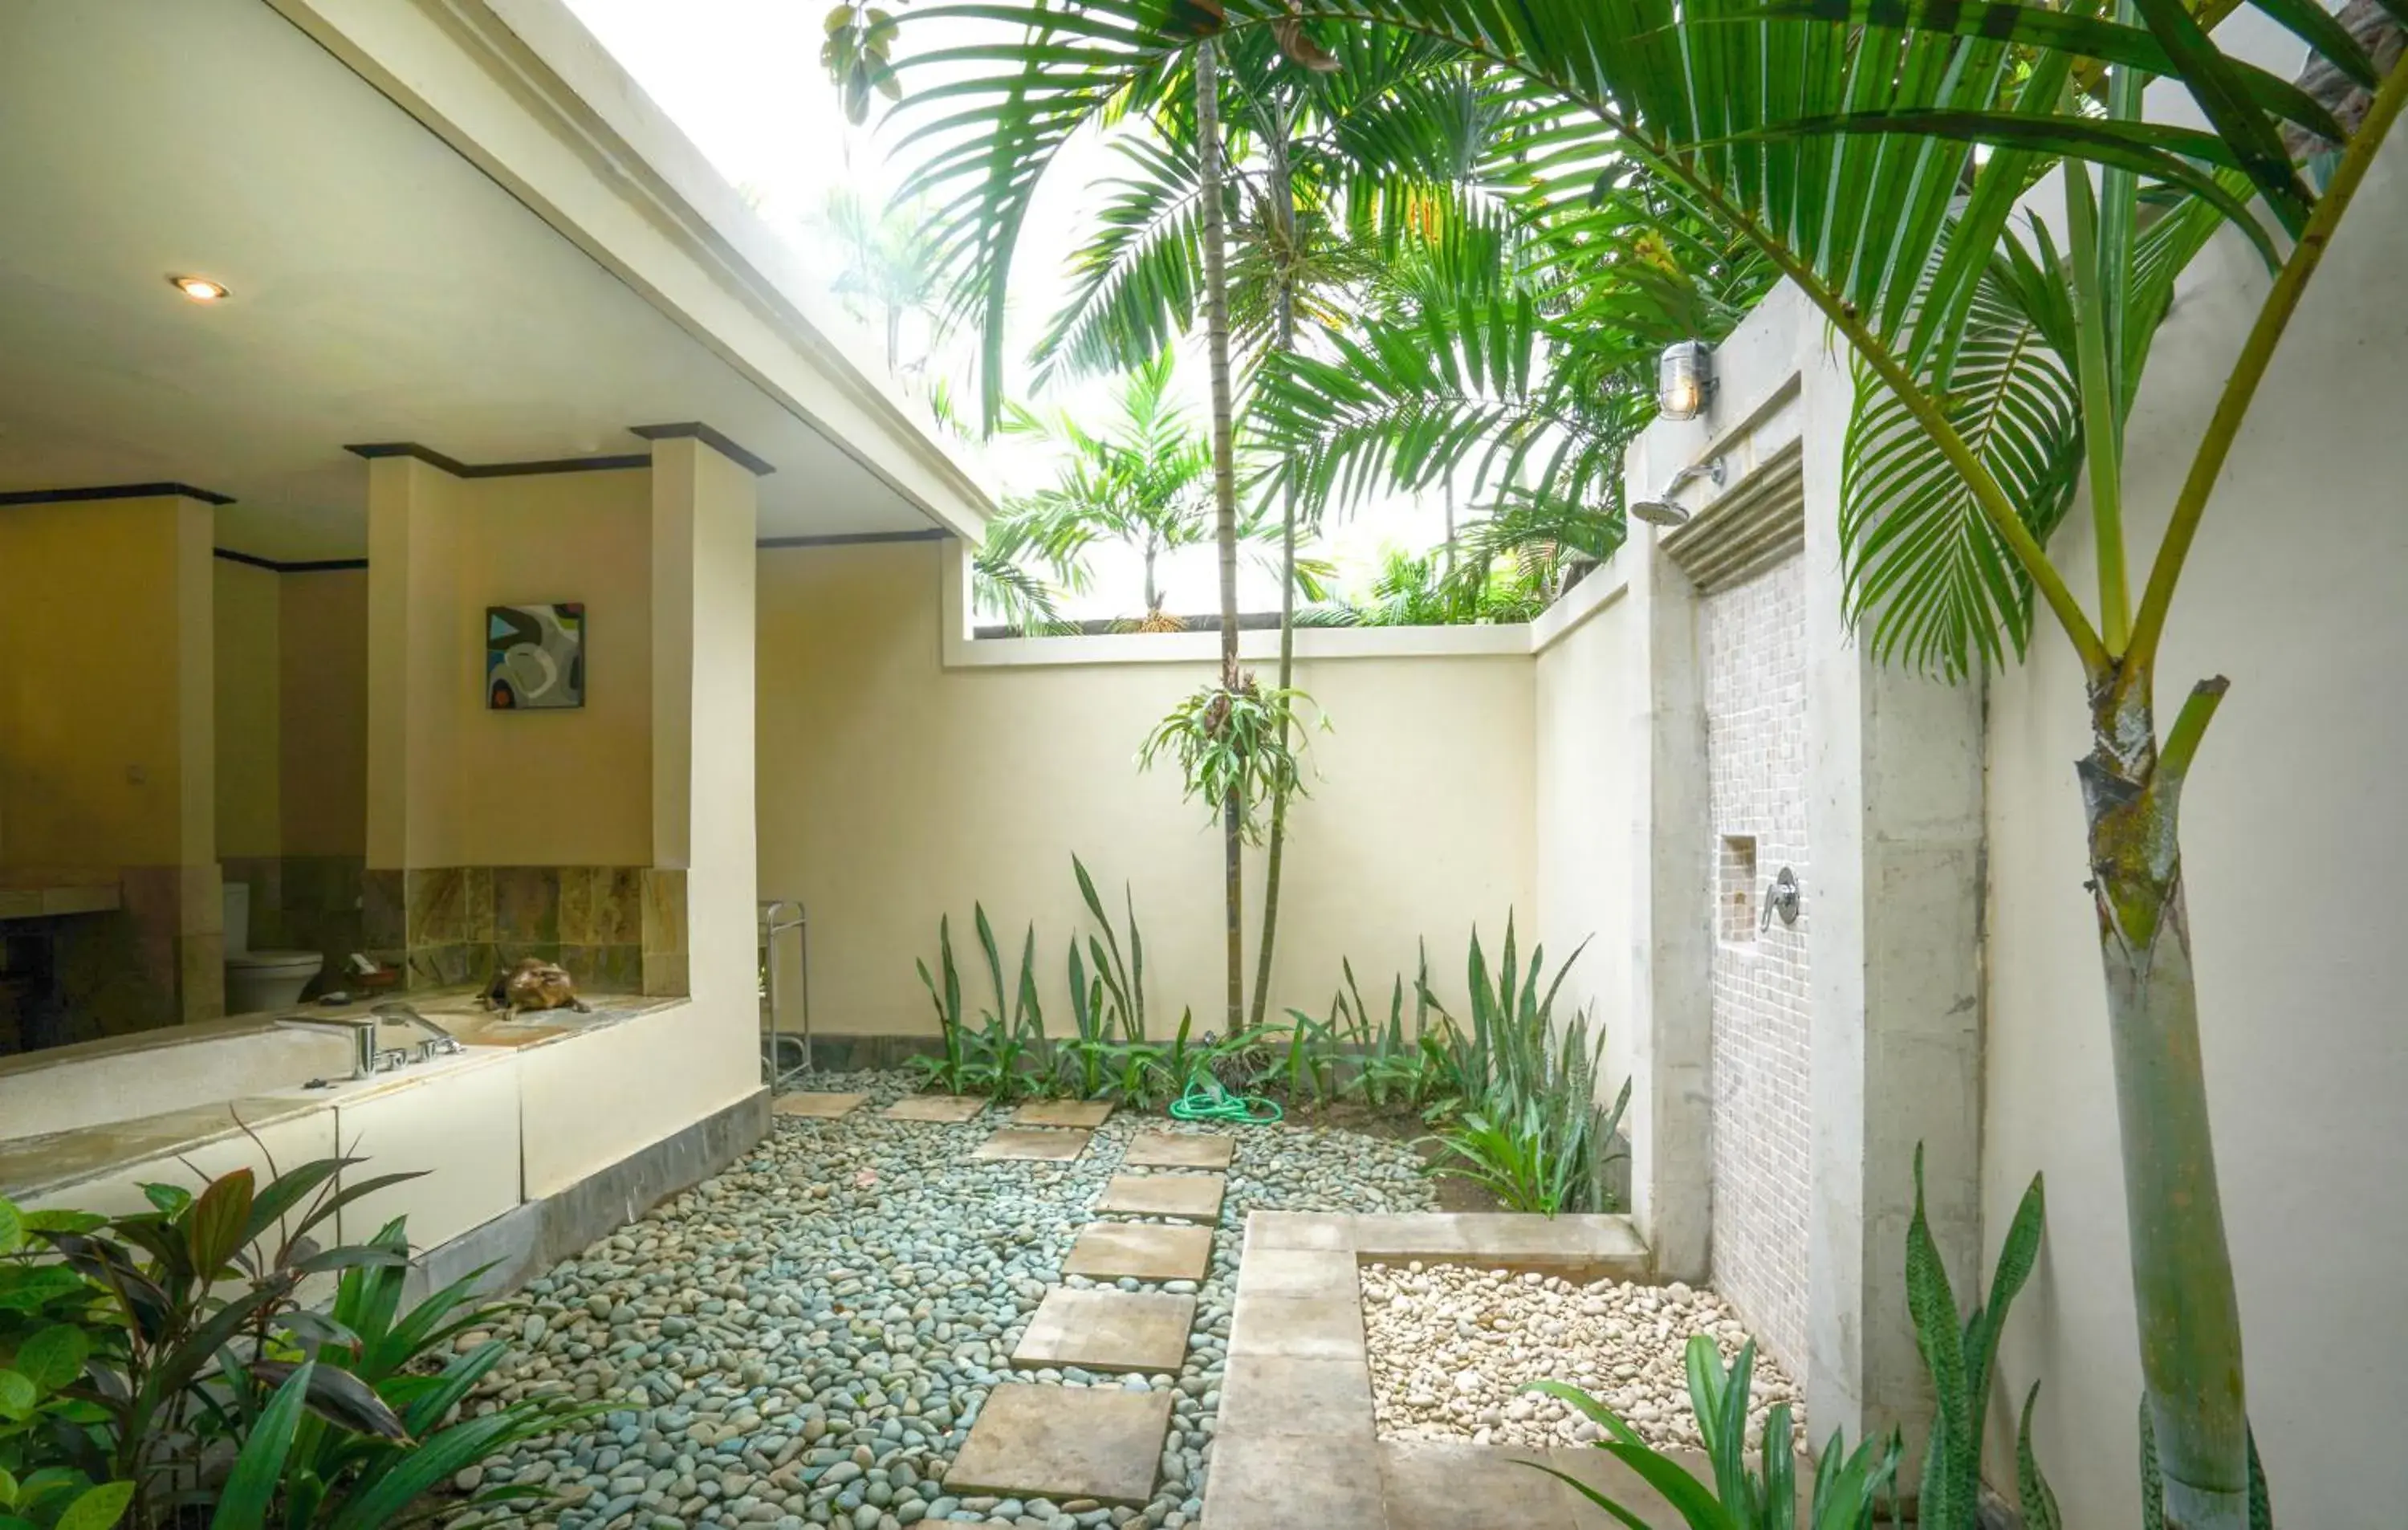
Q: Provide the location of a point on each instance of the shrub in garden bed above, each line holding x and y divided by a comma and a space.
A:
163, 1370
1510, 1091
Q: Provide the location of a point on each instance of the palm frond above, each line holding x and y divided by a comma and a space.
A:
1924, 573
1135, 280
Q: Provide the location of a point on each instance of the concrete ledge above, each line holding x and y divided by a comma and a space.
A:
534, 1236
1296, 1442
1577, 1248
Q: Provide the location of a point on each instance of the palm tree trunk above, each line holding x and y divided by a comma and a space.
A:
1283, 208
1152, 601
1224, 485
2182, 1289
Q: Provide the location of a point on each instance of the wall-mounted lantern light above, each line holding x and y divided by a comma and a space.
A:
1685, 381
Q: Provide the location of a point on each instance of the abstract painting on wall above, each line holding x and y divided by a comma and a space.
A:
534, 657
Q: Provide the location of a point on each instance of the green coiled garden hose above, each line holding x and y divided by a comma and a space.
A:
1204, 1099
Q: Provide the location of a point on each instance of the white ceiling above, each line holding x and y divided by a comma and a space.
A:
384, 289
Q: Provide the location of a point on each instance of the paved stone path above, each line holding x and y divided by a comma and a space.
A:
1116, 1331
944, 1107
817, 1104
1032, 1145
1099, 1444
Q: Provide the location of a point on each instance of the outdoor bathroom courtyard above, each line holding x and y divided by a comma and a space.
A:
1388, 765
815, 1334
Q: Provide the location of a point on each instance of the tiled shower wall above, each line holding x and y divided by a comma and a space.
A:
1754, 638
617, 929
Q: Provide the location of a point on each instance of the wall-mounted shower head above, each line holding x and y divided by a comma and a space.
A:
1664, 510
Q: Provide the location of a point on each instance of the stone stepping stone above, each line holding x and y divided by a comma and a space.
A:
1114, 1250
945, 1107
1061, 1443
1194, 1197
817, 1104
1180, 1149
1063, 1113
1024, 1144
1109, 1331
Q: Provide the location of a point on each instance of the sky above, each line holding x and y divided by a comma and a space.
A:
742, 79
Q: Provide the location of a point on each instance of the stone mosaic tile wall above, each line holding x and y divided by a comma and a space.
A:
1754, 638
617, 929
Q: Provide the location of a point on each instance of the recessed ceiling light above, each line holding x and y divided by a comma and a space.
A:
200, 289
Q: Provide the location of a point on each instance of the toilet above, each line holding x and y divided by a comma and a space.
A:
260, 979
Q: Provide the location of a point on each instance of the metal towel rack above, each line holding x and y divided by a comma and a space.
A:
777, 916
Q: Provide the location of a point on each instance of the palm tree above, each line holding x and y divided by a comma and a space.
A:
1144, 482
1338, 164
888, 267
1789, 125
998, 165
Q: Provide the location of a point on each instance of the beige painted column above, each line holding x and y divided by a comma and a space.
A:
414, 642
699, 914
107, 632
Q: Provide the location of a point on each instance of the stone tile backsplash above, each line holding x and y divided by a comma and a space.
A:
617, 929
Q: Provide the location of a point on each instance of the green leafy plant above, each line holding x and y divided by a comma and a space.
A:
944, 1071
1006, 1054
1849, 1486
1234, 743
1959, 1354
1123, 979
198, 1380
1533, 1158
1530, 1127
1308, 1065
52, 1325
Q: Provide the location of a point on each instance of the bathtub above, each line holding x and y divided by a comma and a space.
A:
98, 1083
86, 1127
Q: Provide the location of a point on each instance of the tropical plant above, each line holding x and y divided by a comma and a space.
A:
1959, 1353
1015, 580
306, 1470
1412, 1069
947, 1069
1530, 1125
1422, 592
1142, 482
1234, 748
1849, 1485
889, 269
1338, 148
51, 1323
1785, 126
1123, 978
167, 1364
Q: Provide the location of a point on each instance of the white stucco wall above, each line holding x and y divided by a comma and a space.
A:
1591, 721
895, 786
2293, 837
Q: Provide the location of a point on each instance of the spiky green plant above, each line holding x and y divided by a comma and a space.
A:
1531, 1125
945, 1069
1124, 981
1849, 1485
1959, 1354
